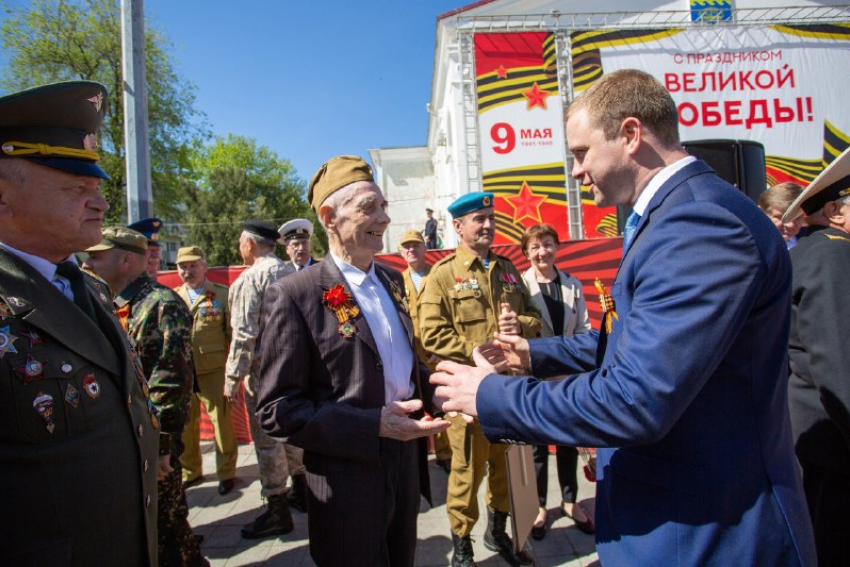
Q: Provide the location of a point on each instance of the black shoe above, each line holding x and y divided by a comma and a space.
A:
276, 520
538, 532
445, 464
193, 482
586, 526
297, 495
496, 539
462, 556
225, 486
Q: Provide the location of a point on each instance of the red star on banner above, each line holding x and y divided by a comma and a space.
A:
536, 97
526, 205
501, 72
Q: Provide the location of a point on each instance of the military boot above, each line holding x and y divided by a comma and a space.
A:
496, 539
297, 495
462, 556
276, 520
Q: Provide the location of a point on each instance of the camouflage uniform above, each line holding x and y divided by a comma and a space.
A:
459, 306
159, 323
246, 302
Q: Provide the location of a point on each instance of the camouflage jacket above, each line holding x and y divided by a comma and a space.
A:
160, 325
246, 302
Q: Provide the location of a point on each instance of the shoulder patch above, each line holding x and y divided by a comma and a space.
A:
836, 237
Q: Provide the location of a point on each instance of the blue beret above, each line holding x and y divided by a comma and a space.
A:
471, 202
150, 227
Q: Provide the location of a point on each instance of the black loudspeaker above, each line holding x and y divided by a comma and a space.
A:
739, 162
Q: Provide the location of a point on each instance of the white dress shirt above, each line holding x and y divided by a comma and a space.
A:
390, 334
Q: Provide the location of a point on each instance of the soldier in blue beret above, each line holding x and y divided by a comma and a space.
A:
468, 296
78, 436
150, 227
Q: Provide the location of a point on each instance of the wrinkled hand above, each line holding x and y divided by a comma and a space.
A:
164, 467
457, 385
396, 424
506, 352
508, 321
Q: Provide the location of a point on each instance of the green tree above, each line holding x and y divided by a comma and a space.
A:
235, 180
60, 40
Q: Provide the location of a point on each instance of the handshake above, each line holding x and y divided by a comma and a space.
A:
457, 384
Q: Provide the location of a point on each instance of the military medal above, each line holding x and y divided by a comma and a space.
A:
124, 317
66, 367
338, 300
5, 310
91, 386
607, 303
400, 298
510, 282
7, 341
30, 369
43, 405
347, 329
34, 338
72, 395
16, 301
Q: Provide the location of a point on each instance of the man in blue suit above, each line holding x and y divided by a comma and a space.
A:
686, 393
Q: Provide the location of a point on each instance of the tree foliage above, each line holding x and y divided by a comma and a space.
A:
235, 180
60, 40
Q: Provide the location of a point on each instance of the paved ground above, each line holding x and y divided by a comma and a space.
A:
219, 519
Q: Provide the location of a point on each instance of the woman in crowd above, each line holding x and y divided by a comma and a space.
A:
561, 301
774, 202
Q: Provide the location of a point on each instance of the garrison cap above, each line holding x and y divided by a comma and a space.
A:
150, 227
833, 183
296, 228
55, 126
189, 254
411, 235
336, 174
123, 239
261, 229
470, 202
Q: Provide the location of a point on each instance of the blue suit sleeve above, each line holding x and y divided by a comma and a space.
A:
684, 294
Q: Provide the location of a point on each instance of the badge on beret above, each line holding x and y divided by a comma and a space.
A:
72, 395
97, 101
486, 201
91, 386
7, 341
31, 369
43, 405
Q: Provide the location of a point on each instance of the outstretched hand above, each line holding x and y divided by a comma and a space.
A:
395, 423
506, 352
457, 385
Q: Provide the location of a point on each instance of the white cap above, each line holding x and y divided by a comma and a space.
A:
295, 227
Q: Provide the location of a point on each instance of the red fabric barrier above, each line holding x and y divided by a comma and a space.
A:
584, 259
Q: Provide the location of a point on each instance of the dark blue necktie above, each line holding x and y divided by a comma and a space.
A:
629, 230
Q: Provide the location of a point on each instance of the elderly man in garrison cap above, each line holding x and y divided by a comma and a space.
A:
160, 325
257, 245
78, 441
339, 378
819, 387
210, 311
150, 227
470, 295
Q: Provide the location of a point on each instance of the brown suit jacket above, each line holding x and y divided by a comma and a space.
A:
324, 392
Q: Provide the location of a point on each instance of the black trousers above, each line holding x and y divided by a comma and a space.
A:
828, 497
566, 460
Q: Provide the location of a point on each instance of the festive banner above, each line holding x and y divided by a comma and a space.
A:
521, 131
783, 86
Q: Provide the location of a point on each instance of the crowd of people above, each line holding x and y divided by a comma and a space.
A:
708, 453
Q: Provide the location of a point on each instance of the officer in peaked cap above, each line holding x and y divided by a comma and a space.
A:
818, 387
77, 417
296, 235
150, 227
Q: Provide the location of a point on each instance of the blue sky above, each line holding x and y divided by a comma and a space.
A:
310, 80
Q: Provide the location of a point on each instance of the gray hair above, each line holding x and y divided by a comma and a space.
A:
336, 201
